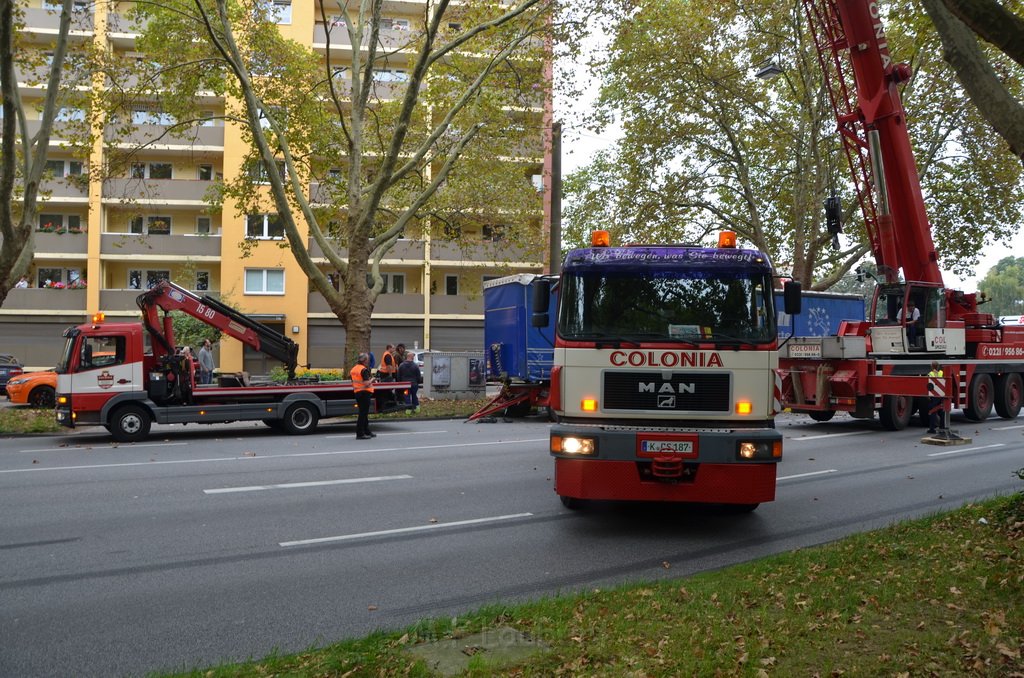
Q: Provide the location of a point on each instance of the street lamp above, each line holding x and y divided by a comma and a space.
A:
769, 71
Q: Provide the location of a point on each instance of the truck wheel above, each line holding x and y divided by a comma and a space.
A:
979, 398
1009, 393
300, 419
43, 396
896, 412
130, 423
571, 502
823, 416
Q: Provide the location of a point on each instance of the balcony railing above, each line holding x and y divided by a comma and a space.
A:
49, 19
441, 250
410, 304
164, 191
456, 304
65, 243
63, 190
160, 136
51, 300
403, 249
170, 245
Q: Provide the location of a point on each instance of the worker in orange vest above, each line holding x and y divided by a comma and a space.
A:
362, 383
388, 367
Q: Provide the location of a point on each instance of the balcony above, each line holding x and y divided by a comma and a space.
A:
487, 251
405, 304
50, 300
406, 250
133, 244
59, 133
48, 21
156, 191
64, 190
162, 137
456, 304
66, 243
119, 300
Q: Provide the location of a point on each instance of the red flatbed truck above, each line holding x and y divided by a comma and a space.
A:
107, 377
881, 364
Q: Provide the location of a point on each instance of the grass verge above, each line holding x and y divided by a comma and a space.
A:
941, 596
15, 419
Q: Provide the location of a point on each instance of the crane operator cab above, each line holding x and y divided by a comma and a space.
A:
911, 318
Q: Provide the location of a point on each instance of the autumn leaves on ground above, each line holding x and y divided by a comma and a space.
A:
942, 596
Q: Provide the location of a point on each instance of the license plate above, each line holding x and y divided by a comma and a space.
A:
680, 446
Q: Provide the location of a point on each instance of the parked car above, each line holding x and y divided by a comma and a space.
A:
38, 389
9, 367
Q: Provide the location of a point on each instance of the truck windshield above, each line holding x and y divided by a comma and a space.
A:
65, 355
721, 306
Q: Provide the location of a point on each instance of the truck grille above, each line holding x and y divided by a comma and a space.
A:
682, 392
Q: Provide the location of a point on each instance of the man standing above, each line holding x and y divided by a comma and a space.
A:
388, 367
362, 383
409, 371
206, 362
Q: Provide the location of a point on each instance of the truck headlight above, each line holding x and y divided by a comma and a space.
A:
760, 449
572, 445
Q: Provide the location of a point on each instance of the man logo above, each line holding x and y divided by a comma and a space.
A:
667, 402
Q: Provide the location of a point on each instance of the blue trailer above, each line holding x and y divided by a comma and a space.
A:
820, 314
519, 355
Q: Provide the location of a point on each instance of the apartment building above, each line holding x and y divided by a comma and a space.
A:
100, 243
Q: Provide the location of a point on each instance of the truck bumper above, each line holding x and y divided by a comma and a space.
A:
622, 481
662, 464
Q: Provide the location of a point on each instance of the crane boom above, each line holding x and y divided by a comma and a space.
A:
167, 296
851, 44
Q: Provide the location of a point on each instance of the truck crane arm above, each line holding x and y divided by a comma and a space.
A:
852, 47
167, 296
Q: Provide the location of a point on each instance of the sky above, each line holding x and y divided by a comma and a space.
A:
581, 144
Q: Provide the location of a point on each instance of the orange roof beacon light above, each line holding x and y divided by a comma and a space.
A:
600, 239
727, 239
97, 318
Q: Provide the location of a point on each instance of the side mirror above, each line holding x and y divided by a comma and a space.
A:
541, 295
791, 297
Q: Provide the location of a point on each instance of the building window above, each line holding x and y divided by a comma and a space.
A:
493, 232
203, 225
264, 281
151, 278
394, 24
64, 168
206, 118
144, 115
390, 75
152, 170
258, 171
394, 283
281, 11
264, 226
205, 172
451, 285
150, 225
202, 281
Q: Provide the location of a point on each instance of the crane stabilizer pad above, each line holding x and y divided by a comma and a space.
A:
946, 438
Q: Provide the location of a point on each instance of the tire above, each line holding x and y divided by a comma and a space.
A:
980, 394
300, 419
130, 423
571, 503
822, 417
1009, 395
896, 412
519, 410
44, 397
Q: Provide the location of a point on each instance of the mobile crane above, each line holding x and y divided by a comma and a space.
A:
879, 364
106, 376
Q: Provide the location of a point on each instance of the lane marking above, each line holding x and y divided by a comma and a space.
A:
808, 475
78, 448
1007, 428
371, 450
402, 530
312, 483
968, 449
385, 435
831, 435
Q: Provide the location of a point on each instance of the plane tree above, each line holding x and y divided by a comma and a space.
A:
709, 146
427, 128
